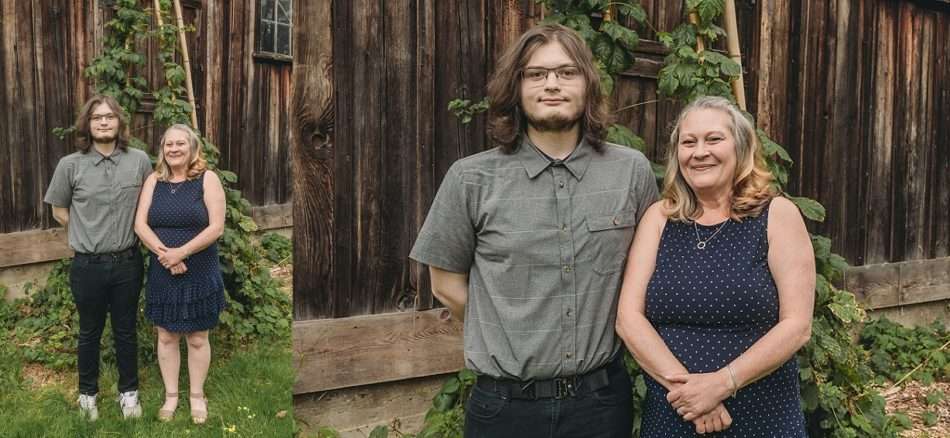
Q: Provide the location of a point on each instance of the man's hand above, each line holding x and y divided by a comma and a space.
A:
715, 420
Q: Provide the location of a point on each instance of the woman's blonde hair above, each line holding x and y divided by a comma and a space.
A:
197, 165
752, 187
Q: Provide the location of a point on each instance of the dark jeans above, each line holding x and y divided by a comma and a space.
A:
604, 413
100, 285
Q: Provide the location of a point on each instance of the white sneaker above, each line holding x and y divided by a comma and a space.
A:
87, 407
129, 402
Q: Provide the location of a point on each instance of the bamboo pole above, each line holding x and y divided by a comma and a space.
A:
158, 13
189, 87
694, 20
732, 39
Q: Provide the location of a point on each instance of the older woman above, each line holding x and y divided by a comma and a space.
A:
179, 218
718, 292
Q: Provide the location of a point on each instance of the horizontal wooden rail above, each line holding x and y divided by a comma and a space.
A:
888, 285
363, 350
38, 246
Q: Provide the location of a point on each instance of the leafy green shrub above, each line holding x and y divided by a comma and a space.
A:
899, 352
277, 248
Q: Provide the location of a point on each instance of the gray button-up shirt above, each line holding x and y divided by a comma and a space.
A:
101, 194
544, 245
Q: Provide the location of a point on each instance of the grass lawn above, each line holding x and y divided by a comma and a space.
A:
248, 394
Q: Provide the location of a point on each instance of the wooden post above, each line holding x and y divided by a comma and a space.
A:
189, 87
732, 39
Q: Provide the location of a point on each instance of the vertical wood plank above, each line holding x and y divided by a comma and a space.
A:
344, 188
941, 185
7, 30
311, 137
879, 210
772, 86
397, 155
915, 34
216, 31
368, 94
425, 146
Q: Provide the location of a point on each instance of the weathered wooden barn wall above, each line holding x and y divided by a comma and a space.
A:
859, 92
856, 91
243, 101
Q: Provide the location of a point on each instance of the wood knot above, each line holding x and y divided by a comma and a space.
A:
445, 315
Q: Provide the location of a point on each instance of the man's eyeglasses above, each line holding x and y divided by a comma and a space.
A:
104, 117
537, 75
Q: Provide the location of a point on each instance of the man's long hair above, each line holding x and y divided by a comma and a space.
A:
506, 118
84, 138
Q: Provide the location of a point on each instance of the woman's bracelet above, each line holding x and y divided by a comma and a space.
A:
732, 377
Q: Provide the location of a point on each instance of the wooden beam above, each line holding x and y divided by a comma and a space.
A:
354, 412
899, 284
27, 247
363, 350
38, 246
269, 217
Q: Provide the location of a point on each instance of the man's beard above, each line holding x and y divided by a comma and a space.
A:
104, 138
553, 123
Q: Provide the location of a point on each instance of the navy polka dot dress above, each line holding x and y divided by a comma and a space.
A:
709, 306
191, 301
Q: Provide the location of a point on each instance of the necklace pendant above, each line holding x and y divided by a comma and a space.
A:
700, 245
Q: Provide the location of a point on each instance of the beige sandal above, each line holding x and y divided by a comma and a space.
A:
166, 415
198, 416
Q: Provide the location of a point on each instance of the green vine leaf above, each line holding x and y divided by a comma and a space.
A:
809, 208
708, 10
620, 34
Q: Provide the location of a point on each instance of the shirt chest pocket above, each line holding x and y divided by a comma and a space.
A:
129, 184
610, 238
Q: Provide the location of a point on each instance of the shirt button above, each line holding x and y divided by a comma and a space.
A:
564, 227
567, 268
568, 355
616, 220
560, 183
568, 312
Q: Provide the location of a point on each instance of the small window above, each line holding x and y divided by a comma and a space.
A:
274, 30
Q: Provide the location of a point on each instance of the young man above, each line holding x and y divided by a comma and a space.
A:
527, 243
93, 194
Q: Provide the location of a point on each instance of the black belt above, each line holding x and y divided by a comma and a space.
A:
105, 257
556, 388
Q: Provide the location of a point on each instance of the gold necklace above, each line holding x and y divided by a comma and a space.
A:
700, 243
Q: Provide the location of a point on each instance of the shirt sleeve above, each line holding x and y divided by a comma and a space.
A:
447, 238
146, 167
60, 190
646, 187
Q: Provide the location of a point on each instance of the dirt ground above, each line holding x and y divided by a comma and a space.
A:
911, 399
285, 275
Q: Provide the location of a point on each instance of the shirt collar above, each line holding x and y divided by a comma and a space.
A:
535, 162
98, 158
